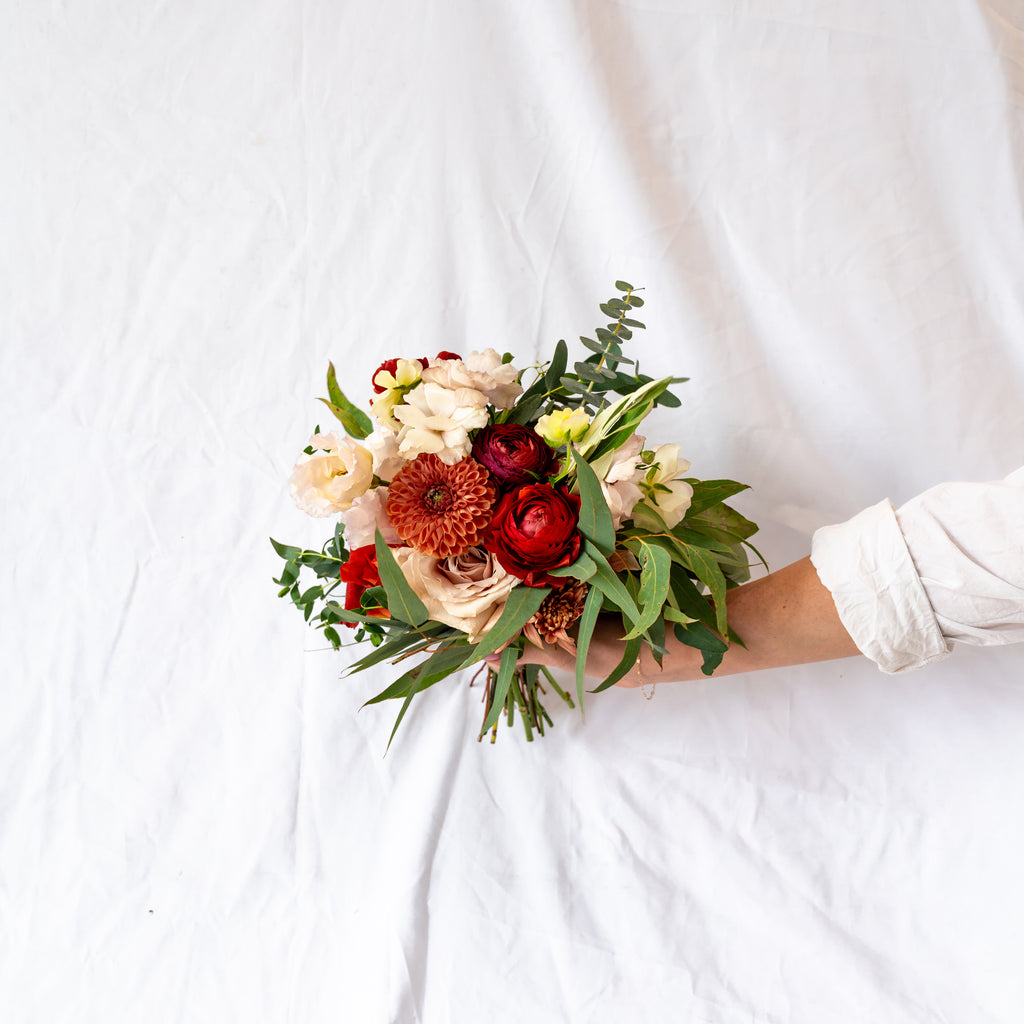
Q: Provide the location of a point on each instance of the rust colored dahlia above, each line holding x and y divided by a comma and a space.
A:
439, 509
558, 611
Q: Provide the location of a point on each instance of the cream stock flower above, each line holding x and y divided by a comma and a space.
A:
563, 426
437, 419
668, 497
481, 371
329, 480
366, 515
467, 591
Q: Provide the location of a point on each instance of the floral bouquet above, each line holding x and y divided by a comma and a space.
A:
487, 508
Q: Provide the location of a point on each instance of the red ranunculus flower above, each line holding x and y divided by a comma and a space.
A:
514, 454
360, 573
534, 531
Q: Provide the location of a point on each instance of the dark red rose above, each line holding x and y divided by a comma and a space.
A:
447, 355
360, 573
534, 531
391, 365
514, 454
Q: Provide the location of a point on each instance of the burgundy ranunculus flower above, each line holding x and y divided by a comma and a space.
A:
514, 454
534, 531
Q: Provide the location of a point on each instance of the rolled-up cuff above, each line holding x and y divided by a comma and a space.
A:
881, 601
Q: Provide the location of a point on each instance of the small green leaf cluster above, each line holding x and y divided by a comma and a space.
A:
314, 602
606, 371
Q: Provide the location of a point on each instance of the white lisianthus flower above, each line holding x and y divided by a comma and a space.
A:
365, 516
668, 497
481, 371
563, 426
329, 480
467, 591
438, 420
620, 473
383, 446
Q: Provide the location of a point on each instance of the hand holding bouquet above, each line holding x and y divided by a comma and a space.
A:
488, 508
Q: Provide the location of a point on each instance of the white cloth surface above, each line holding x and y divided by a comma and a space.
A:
947, 566
203, 204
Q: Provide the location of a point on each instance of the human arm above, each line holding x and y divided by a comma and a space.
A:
899, 586
785, 618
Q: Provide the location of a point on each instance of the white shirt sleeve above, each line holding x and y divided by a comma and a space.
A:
946, 567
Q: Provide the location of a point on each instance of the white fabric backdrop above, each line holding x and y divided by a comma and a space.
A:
202, 204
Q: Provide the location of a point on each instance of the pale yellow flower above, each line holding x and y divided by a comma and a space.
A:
563, 426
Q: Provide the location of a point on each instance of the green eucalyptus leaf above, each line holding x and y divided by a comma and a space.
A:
708, 572
726, 520
655, 578
286, 551
356, 423
588, 372
606, 579
582, 569
629, 657
595, 522
559, 361
623, 286
707, 493
712, 646
591, 610
402, 601
521, 604
573, 386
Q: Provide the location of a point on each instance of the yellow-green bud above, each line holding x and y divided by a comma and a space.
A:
562, 426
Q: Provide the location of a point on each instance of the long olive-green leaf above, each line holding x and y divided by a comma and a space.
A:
402, 601
629, 659
595, 518
355, 422
522, 602
582, 569
559, 361
726, 519
655, 576
506, 669
710, 644
438, 666
710, 492
591, 610
710, 574
604, 577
